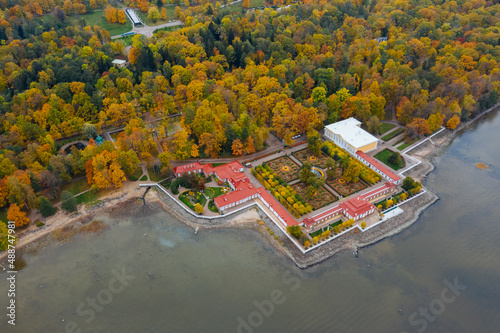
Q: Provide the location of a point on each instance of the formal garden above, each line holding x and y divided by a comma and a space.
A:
341, 186
322, 197
306, 155
191, 199
285, 168
283, 192
197, 193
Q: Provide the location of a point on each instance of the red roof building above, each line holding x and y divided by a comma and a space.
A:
357, 208
378, 167
382, 190
231, 172
276, 208
189, 168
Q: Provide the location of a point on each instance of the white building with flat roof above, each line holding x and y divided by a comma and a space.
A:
348, 135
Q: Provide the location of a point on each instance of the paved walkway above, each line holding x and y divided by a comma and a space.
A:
274, 145
148, 31
74, 142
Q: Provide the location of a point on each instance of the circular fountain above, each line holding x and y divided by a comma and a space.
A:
319, 174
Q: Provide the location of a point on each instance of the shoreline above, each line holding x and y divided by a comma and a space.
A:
249, 217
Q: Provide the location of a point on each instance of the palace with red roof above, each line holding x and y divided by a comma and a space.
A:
243, 189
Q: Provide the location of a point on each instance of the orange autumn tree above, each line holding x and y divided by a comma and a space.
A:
103, 170
237, 147
17, 215
111, 14
122, 19
453, 122
249, 146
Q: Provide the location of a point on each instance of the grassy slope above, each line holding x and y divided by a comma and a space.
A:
98, 18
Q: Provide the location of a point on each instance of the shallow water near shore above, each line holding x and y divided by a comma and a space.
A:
154, 274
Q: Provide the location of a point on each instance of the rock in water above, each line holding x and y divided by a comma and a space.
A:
481, 166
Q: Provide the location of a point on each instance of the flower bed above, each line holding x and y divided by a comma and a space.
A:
305, 155
284, 167
341, 186
283, 192
321, 199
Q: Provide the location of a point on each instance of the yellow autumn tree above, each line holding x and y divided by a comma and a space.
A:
17, 215
198, 208
116, 174
103, 170
453, 122
122, 19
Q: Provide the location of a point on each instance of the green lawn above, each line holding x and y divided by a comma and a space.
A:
385, 127
407, 144
143, 178
383, 156
199, 198
126, 40
98, 18
393, 134
213, 192
137, 173
217, 164
257, 3
166, 183
90, 197
155, 176
175, 27
76, 186
398, 142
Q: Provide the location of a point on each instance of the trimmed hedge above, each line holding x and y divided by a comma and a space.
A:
281, 191
174, 187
